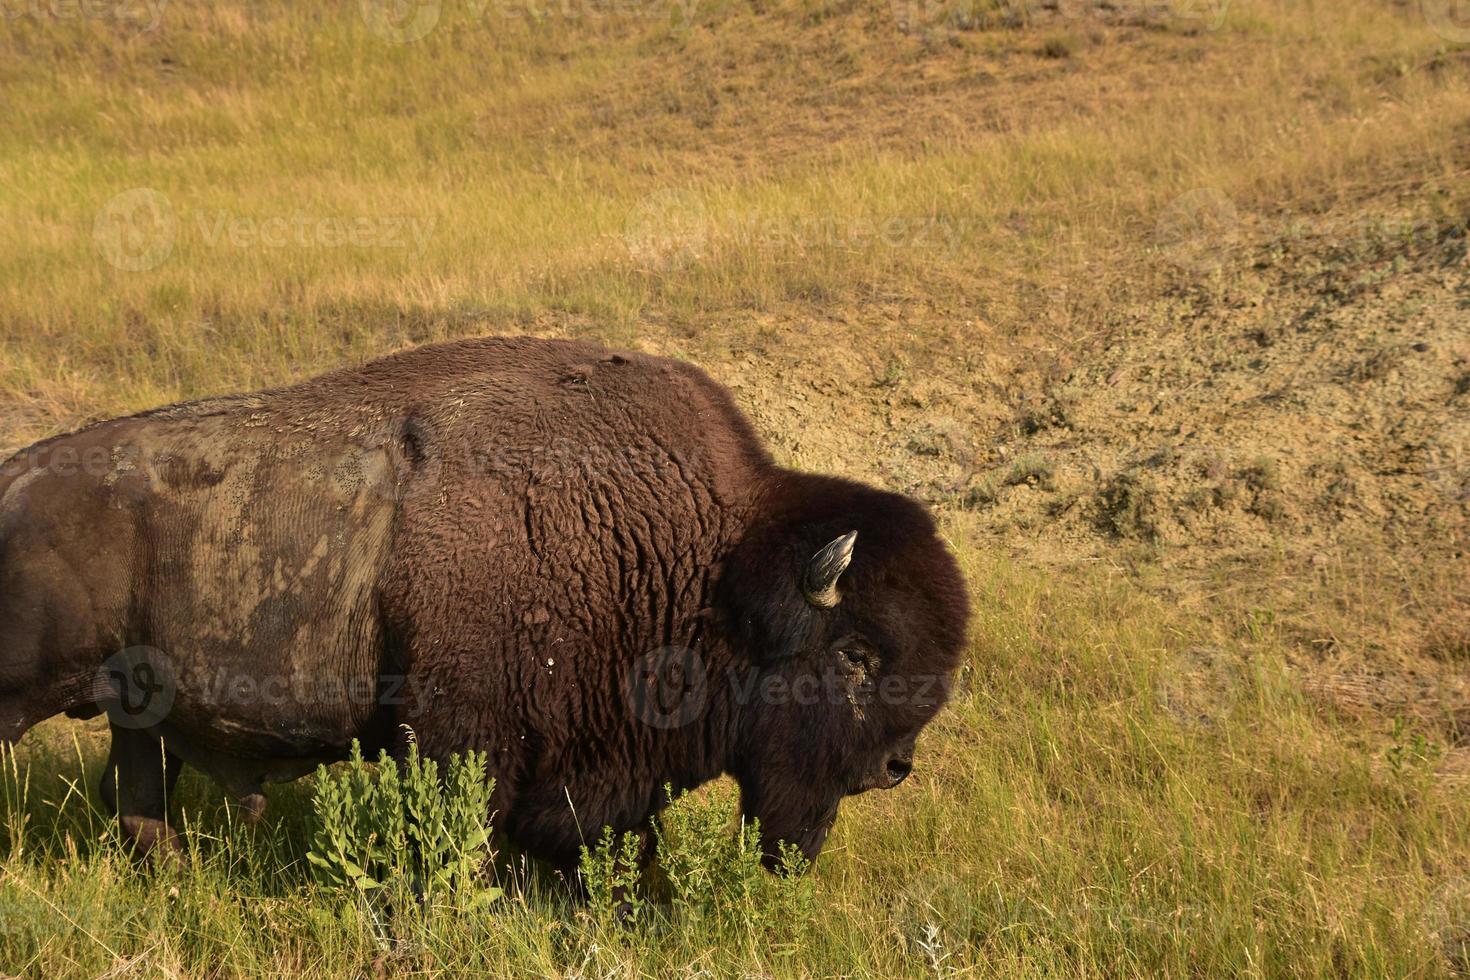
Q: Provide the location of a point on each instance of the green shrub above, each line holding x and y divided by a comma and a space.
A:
611, 873
394, 828
709, 877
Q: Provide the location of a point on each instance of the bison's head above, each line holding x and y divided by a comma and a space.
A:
851, 615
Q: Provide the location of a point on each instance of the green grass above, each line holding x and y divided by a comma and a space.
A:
1083, 809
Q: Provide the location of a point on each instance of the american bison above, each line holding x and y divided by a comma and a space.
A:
579, 561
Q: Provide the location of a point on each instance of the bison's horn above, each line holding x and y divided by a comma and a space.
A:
825, 568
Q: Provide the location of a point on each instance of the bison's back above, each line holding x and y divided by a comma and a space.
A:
500, 526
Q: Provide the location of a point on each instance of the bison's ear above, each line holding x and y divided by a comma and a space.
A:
819, 584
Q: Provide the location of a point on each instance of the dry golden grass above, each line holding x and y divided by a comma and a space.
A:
629, 170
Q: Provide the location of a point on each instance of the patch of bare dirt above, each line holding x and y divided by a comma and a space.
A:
1313, 399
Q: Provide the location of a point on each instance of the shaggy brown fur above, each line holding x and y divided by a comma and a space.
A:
582, 562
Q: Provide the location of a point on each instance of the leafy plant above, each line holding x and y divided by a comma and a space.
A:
1410, 753
712, 876
389, 827
611, 871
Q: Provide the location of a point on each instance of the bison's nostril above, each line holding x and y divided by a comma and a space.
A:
898, 770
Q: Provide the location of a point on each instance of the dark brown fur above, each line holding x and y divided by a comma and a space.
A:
582, 562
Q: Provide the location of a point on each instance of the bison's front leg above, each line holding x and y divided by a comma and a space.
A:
139, 779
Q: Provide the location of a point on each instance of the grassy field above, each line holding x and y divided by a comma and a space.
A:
1163, 306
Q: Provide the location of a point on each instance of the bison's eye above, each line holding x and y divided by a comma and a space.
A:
854, 659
